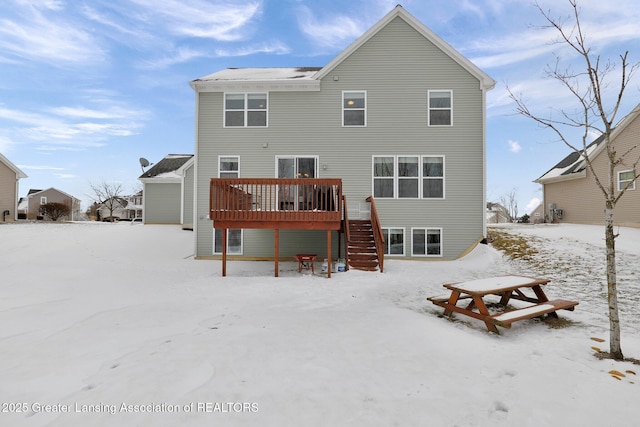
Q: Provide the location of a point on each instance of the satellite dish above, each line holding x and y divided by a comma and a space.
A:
144, 163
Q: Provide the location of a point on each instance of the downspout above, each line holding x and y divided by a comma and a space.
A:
196, 177
484, 162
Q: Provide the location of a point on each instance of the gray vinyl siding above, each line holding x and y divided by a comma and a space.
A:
396, 67
187, 206
162, 203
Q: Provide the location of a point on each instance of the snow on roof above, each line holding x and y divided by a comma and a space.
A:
167, 167
262, 74
574, 165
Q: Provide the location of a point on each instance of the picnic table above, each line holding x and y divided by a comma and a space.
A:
470, 299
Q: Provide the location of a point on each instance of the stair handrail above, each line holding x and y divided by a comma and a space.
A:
378, 237
347, 231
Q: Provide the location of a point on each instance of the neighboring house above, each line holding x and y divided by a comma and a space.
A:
570, 193
10, 176
496, 213
113, 209
134, 206
122, 207
537, 215
398, 115
168, 191
36, 198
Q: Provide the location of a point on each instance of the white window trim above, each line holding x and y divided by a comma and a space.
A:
43, 200
426, 255
420, 177
621, 183
342, 108
404, 241
444, 177
241, 243
373, 178
429, 107
296, 157
398, 178
230, 156
245, 110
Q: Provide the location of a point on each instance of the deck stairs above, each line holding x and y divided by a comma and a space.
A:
362, 247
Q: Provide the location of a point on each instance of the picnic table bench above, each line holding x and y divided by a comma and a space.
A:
507, 288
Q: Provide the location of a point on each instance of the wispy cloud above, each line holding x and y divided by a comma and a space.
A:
218, 20
33, 35
330, 31
40, 168
276, 48
69, 128
180, 56
65, 175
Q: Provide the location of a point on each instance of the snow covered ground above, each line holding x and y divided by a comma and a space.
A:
117, 325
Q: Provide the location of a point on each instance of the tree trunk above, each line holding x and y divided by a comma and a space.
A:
612, 292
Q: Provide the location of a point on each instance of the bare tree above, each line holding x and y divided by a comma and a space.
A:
597, 113
109, 195
510, 204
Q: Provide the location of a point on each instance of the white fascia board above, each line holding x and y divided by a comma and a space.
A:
161, 180
562, 178
256, 86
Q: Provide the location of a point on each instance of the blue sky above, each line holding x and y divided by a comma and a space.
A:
89, 87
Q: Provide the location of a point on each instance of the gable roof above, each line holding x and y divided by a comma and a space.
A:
7, 162
486, 82
308, 78
574, 165
34, 192
168, 168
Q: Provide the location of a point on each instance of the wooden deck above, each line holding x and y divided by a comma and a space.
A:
276, 203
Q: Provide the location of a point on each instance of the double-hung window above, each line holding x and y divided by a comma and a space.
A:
408, 177
426, 241
229, 167
440, 107
383, 176
433, 177
245, 109
624, 177
354, 108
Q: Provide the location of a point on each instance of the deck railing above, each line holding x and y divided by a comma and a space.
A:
310, 203
378, 237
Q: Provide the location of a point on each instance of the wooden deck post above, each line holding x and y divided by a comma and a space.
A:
329, 254
277, 249
224, 251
